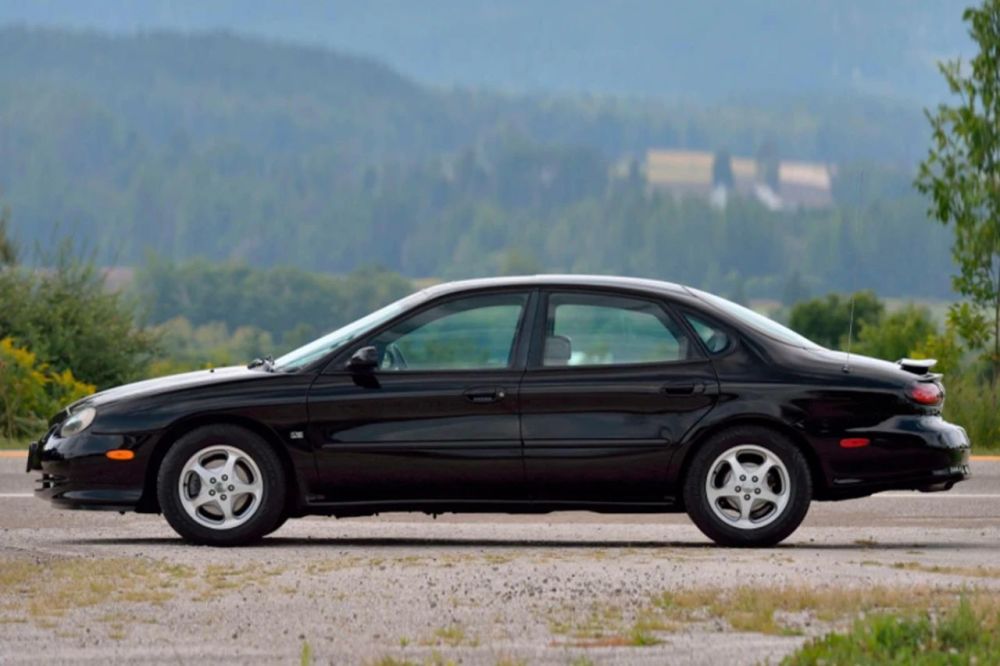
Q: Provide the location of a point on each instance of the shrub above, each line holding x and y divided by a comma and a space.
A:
30, 392
962, 635
974, 404
896, 335
67, 318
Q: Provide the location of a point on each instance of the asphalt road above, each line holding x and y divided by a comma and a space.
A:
478, 589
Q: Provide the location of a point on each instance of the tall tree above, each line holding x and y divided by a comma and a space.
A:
8, 250
722, 169
962, 176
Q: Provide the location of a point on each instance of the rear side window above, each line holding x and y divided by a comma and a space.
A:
593, 329
715, 338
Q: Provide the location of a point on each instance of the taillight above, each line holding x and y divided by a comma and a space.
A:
926, 393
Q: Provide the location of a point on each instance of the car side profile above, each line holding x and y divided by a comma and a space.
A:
521, 395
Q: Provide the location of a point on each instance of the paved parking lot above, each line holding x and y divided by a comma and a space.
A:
485, 589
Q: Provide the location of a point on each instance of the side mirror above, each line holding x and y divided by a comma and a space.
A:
365, 358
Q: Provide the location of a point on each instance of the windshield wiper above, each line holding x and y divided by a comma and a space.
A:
267, 363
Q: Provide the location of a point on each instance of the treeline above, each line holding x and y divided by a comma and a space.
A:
233, 149
206, 313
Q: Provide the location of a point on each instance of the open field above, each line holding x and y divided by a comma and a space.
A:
571, 588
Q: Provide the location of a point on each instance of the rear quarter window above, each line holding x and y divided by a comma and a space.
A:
714, 337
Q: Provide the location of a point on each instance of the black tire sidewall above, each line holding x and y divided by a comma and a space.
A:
268, 515
800, 482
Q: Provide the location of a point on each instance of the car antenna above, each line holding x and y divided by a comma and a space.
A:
850, 334
854, 277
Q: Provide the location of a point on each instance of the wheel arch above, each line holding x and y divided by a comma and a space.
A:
149, 503
795, 436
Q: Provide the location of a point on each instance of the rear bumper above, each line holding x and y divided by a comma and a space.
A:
906, 453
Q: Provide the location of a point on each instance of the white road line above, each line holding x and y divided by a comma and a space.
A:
941, 495
15, 495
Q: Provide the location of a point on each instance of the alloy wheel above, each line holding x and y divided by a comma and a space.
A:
748, 487
221, 487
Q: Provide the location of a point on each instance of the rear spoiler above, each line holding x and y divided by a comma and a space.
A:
917, 366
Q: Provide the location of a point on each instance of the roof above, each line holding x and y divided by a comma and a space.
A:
549, 280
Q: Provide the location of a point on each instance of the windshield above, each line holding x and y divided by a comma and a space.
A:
757, 321
317, 349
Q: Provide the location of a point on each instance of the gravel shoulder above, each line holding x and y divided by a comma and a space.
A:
571, 588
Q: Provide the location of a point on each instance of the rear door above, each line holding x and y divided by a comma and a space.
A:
613, 384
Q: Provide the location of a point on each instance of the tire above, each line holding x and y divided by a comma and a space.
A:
222, 485
281, 521
768, 508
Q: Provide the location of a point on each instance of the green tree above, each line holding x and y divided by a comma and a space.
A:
769, 165
826, 320
795, 289
962, 176
8, 250
897, 335
722, 169
67, 317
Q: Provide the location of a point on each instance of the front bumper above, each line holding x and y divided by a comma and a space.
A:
906, 453
76, 474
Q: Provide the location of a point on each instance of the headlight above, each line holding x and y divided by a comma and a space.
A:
78, 422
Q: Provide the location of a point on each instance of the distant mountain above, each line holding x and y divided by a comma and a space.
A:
222, 146
674, 49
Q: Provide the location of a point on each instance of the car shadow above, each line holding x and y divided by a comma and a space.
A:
278, 542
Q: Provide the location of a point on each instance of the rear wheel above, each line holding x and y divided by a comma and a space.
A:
222, 486
748, 486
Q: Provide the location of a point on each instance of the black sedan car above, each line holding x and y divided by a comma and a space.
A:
520, 395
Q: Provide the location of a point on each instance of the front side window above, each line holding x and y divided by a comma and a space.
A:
591, 329
474, 333
324, 346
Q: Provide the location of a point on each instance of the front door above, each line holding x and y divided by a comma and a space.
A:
613, 385
438, 417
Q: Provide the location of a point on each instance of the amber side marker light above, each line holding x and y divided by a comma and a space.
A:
120, 454
854, 442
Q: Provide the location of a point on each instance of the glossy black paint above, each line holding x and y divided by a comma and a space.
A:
524, 438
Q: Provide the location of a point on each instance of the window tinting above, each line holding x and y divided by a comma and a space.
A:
716, 340
756, 321
467, 334
590, 329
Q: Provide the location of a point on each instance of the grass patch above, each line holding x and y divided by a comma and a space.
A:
8, 444
966, 634
42, 591
766, 610
452, 636
972, 403
781, 611
39, 592
970, 572
434, 660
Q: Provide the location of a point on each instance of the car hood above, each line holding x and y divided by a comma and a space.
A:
168, 384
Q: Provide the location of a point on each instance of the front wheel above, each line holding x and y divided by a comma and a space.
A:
748, 487
221, 486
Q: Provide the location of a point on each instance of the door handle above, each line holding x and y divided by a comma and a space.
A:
683, 389
485, 395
